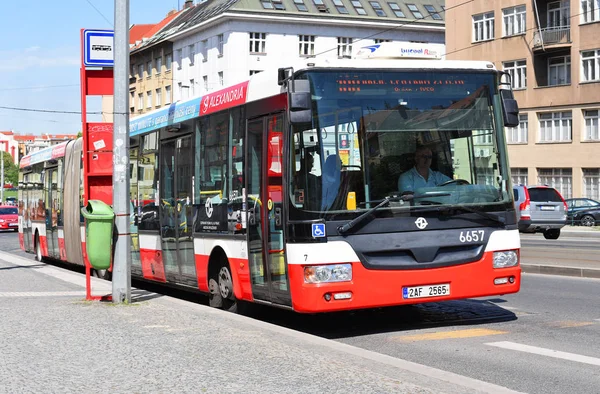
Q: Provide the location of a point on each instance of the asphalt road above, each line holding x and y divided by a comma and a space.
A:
541, 340
568, 250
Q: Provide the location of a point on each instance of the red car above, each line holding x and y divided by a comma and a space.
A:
8, 218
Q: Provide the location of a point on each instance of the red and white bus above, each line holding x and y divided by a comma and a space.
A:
284, 189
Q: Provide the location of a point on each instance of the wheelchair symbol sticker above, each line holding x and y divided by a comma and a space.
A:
318, 230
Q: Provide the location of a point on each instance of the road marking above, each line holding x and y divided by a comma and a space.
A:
546, 352
434, 336
42, 293
570, 324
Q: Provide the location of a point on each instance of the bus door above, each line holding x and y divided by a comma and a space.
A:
51, 198
264, 194
26, 219
176, 217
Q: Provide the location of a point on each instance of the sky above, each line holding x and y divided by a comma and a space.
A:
40, 54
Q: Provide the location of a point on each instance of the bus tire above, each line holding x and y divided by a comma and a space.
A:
38, 248
103, 274
221, 293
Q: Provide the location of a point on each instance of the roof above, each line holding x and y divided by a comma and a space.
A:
329, 10
137, 32
153, 33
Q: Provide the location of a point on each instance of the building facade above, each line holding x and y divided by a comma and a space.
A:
220, 42
551, 49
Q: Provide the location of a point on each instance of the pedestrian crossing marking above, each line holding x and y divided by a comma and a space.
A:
571, 324
546, 352
42, 293
434, 336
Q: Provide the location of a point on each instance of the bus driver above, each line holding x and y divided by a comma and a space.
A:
421, 175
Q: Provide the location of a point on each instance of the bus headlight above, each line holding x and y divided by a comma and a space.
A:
328, 273
505, 259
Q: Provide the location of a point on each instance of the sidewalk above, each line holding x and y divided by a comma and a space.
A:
585, 264
54, 341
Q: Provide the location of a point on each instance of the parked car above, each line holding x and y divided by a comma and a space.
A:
540, 209
11, 201
8, 218
577, 205
589, 217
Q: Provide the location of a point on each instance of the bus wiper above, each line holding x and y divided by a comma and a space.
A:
405, 197
494, 218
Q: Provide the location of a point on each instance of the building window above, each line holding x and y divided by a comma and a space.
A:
192, 87
192, 52
168, 61
167, 94
377, 8
555, 126
205, 82
141, 71
258, 42
340, 7
252, 72
380, 40
179, 58
518, 176
592, 125
483, 27
204, 46
180, 90
220, 40
221, 82
591, 183
514, 21
590, 11
158, 64
140, 101
518, 73
518, 135
306, 45
344, 46
358, 7
559, 70
558, 178
300, 5
396, 10
158, 97
559, 14
590, 65
149, 99
272, 5
132, 101
434, 14
149, 69
415, 11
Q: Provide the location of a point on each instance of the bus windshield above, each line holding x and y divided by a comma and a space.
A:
376, 134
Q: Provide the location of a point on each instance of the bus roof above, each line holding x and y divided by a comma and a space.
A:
264, 84
49, 153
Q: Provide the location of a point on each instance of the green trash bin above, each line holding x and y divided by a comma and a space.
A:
99, 222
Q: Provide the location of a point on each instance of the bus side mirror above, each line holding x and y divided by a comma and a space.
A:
510, 109
300, 103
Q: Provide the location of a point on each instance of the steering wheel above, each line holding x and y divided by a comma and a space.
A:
455, 181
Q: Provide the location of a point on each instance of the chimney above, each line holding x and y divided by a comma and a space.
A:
188, 3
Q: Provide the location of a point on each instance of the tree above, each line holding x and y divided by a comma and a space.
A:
11, 171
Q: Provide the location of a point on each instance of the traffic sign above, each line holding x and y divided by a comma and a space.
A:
98, 48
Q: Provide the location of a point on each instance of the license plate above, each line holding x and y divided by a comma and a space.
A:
426, 291
13, 224
547, 208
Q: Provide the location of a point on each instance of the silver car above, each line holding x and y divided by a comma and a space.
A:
540, 209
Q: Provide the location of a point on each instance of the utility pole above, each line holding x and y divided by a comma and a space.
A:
121, 275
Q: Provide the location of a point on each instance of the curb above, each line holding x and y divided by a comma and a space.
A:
561, 270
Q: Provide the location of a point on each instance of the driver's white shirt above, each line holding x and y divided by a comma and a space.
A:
411, 180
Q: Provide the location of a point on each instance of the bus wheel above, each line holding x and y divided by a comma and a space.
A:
102, 274
221, 290
38, 248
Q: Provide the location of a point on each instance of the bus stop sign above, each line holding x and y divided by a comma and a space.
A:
98, 48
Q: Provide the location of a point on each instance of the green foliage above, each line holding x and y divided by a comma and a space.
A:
11, 170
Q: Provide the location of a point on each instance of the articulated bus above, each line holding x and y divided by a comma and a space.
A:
284, 189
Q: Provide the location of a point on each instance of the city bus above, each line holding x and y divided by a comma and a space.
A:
284, 189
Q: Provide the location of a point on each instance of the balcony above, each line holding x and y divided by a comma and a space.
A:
552, 36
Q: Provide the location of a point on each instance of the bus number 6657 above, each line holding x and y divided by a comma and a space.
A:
471, 236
